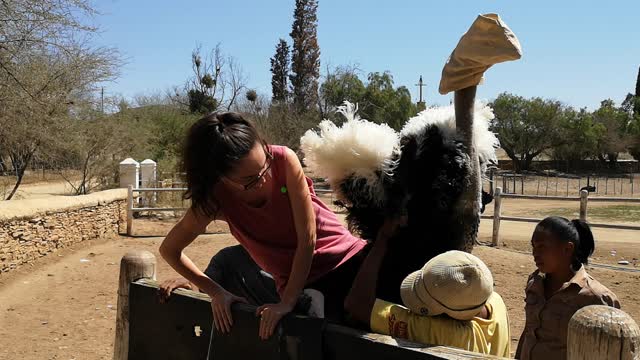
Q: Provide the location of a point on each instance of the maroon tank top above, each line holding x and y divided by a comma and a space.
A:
269, 235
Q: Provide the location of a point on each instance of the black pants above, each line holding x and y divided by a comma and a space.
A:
336, 284
236, 272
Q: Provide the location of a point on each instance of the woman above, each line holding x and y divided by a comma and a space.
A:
261, 191
559, 287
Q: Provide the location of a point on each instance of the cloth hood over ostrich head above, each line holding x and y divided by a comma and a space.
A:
430, 172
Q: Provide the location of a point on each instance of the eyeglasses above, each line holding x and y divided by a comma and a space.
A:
259, 177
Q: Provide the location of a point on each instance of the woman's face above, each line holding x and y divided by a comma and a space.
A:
550, 254
252, 171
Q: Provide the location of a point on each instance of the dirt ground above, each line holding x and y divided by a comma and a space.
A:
36, 186
67, 304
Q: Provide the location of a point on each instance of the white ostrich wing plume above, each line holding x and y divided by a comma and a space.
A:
444, 117
358, 148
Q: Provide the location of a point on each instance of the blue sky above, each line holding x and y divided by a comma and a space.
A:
579, 52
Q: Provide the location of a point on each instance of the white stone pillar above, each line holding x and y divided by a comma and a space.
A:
129, 173
148, 179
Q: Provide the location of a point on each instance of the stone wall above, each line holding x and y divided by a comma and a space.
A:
28, 237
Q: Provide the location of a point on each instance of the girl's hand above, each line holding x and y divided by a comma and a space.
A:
167, 286
270, 315
221, 307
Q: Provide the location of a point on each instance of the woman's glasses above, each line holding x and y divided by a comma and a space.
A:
269, 160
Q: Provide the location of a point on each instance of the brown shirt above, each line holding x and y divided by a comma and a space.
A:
545, 330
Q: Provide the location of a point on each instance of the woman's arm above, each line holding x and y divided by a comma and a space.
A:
362, 296
180, 236
304, 218
171, 249
305, 225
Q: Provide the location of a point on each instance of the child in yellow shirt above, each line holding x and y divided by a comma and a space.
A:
450, 302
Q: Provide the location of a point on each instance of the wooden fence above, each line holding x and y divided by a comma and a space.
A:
584, 200
557, 184
151, 193
182, 329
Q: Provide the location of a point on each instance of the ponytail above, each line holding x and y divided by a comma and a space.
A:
586, 244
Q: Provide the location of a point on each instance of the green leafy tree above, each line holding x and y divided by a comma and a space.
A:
526, 127
385, 103
378, 100
580, 134
616, 136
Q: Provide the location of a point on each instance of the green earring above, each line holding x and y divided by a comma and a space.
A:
283, 189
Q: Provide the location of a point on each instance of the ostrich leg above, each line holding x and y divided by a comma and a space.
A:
469, 204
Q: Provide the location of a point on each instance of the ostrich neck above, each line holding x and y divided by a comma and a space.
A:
469, 206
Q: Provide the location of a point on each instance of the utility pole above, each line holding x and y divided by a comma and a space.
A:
102, 100
421, 104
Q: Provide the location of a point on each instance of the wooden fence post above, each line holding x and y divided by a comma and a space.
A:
129, 210
602, 332
584, 196
491, 183
497, 205
134, 265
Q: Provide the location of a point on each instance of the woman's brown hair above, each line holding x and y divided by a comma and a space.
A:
213, 144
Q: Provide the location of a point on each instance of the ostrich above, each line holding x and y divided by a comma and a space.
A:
429, 173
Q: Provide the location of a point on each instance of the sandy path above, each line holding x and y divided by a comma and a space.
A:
67, 306
42, 190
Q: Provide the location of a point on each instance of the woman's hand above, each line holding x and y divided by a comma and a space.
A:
270, 315
167, 286
221, 307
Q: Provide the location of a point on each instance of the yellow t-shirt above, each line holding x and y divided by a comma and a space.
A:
486, 336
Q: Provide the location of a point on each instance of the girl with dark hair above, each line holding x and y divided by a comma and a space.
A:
261, 191
559, 288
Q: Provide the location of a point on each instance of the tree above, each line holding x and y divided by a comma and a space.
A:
46, 68
280, 73
305, 59
378, 100
526, 127
580, 134
636, 108
340, 84
385, 103
94, 145
216, 83
631, 105
615, 137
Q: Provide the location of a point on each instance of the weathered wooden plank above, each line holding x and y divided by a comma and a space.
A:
166, 331
343, 343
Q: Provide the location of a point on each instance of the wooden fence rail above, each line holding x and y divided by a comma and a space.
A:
131, 209
584, 201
